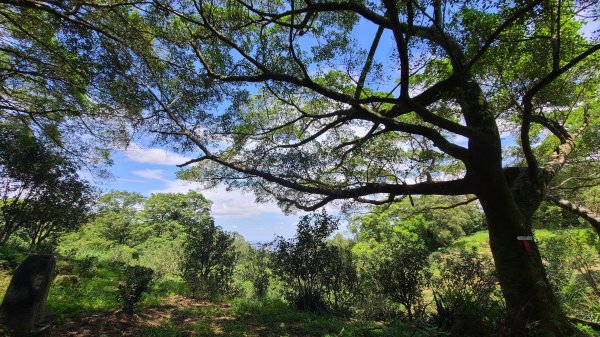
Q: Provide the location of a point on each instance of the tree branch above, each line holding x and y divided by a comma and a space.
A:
368, 62
553, 126
588, 215
496, 33
528, 106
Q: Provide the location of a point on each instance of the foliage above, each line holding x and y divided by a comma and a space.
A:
166, 213
438, 227
466, 294
93, 294
341, 282
254, 267
161, 254
42, 193
136, 282
572, 261
261, 276
117, 220
552, 217
317, 113
131, 229
85, 265
402, 275
393, 245
48, 70
301, 262
208, 257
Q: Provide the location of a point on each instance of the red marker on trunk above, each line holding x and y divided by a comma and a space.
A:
525, 241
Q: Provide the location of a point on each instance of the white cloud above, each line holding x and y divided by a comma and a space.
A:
151, 174
135, 181
153, 155
227, 205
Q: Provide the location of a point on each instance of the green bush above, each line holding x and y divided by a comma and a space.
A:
208, 258
66, 281
572, 261
302, 262
11, 255
258, 271
136, 282
465, 295
403, 275
340, 279
85, 265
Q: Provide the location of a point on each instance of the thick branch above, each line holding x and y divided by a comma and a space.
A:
588, 215
368, 62
454, 187
560, 155
553, 126
437, 138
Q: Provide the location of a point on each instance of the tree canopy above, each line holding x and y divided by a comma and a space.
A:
309, 103
42, 194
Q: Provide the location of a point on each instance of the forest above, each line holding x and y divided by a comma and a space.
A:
441, 156
160, 266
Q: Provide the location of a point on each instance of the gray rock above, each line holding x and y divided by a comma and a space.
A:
23, 305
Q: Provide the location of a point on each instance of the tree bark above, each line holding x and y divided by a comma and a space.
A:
532, 308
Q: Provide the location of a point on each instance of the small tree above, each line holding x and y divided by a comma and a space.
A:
403, 273
208, 257
258, 271
117, 217
165, 213
340, 279
394, 245
302, 261
136, 282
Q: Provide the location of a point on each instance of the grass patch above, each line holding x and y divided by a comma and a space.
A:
91, 295
279, 319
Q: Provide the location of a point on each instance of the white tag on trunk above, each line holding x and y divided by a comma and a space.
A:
525, 238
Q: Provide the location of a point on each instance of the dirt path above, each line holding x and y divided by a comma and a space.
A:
173, 312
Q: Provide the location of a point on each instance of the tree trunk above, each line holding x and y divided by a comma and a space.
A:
533, 310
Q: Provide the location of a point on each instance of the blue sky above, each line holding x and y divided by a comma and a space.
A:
147, 170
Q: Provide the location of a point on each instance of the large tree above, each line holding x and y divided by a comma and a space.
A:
41, 193
167, 213
117, 216
314, 115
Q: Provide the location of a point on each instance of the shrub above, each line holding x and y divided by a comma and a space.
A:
85, 265
163, 255
340, 279
301, 262
208, 258
253, 272
465, 295
136, 282
403, 274
66, 280
259, 272
571, 260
